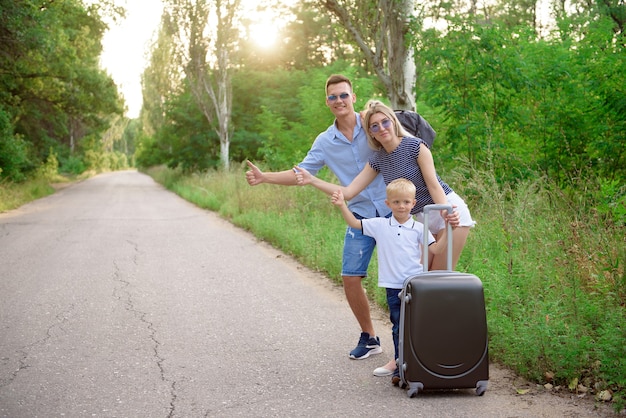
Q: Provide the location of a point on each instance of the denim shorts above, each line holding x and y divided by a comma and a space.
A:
357, 252
436, 222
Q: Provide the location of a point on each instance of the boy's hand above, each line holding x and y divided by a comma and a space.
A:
303, 177
337, 198
254, 176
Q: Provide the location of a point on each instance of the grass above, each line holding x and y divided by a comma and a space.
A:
14, 195
552, 266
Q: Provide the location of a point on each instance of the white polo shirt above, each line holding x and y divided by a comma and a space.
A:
398, 246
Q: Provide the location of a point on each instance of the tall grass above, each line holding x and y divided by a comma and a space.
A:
39, 184
13, 195
551, 264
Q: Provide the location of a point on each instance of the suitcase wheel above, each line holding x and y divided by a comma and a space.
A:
481, 387
414, 388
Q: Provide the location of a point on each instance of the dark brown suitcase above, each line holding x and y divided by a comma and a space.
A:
443, 341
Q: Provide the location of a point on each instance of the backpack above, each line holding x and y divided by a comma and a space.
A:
417, 126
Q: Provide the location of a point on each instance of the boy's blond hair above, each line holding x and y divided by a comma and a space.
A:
401, 186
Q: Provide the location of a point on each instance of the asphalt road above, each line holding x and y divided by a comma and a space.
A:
120, 299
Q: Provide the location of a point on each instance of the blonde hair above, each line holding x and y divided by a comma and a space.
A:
401, 185
376, 106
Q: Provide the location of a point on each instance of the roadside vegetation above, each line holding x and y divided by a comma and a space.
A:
15, 195
552, 264
50, 176
38, 184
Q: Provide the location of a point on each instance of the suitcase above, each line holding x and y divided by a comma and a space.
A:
443, 341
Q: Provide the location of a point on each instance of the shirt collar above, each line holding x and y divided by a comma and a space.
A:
408, 224
337, 133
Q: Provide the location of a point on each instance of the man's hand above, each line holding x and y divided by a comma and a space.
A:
337, 198
254, 176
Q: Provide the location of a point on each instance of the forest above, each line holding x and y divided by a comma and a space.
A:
524, 90
502, 84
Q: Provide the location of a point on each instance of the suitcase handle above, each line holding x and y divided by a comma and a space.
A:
427, 209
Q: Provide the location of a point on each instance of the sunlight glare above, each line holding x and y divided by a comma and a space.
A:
264, 33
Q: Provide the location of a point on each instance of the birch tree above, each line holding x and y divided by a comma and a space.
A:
161, 79
380, 28
207, 34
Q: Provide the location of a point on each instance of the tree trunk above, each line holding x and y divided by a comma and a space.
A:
386, 48
401, 65
210, 83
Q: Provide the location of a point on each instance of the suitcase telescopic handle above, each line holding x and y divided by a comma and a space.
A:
427, 209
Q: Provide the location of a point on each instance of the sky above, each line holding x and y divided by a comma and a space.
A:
125, 47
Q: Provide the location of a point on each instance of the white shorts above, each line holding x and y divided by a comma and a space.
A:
436, 223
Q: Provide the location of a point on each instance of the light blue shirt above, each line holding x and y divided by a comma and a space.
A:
346, 160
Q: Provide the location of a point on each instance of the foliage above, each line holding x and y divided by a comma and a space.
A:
52, 91
185, 141
273, 124
73, 165
13, 195
522, 102
563, 319
379, 30
49, 171
287, 137
14, 151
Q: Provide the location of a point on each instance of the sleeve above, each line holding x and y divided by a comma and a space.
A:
314, 160
415, 148
367, 227
374, 162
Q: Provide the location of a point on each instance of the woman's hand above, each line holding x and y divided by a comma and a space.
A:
453, 218
303, 177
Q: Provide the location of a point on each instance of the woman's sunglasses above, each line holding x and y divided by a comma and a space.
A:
375, 128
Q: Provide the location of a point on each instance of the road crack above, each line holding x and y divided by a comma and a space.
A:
124, 295
24, 351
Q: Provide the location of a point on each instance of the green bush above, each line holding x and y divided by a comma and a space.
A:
73, 165
14, 159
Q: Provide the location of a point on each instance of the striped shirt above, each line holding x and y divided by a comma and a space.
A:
402, 163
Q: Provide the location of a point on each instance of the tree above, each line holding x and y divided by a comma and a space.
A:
207, 34
51, 86
161, 79
380, 29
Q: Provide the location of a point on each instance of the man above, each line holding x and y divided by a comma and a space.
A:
343, 148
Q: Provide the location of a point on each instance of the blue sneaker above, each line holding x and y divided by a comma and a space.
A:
366, 347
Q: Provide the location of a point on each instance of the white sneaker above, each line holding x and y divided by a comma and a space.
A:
386, 370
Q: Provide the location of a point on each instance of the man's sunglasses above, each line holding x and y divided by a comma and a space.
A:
375, 128
342, 96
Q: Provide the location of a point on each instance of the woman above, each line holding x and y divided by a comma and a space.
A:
399, 155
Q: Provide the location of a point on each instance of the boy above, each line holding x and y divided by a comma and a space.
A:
399, 240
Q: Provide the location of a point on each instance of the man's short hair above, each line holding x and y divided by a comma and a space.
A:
336, 79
